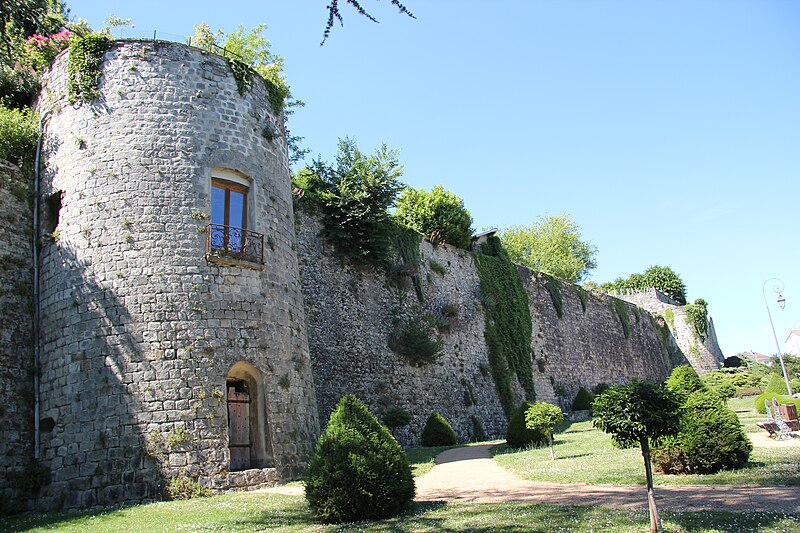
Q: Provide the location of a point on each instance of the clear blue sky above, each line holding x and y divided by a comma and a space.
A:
669, 131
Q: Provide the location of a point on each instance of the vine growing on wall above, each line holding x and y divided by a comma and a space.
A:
583, 296
508, 323
622, 312
84, 67
554, 289
669, 318
407, 242
697, 316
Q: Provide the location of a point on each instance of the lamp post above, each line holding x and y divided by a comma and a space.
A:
778, 288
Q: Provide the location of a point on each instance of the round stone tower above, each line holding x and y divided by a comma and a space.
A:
173, 340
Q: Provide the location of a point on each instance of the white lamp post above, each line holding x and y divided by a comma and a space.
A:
782, 303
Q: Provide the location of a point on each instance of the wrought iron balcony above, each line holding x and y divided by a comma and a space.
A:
232, 243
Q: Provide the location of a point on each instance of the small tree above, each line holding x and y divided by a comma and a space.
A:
358, 470
395, 418
640, 413
439, 215
544, 417
438, 431
518, 435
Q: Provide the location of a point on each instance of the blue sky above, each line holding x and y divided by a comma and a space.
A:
669, 131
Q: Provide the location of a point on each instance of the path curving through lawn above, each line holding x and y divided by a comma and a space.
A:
470, 474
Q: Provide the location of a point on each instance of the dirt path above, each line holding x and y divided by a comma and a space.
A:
470, 474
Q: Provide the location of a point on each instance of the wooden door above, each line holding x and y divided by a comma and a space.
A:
239, 428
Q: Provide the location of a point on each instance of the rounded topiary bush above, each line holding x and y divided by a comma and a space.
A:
776, 388
710, 439
438, 432
518, 435
684, 381
358, 470
583, 400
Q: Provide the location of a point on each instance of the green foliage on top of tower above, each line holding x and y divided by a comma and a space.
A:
354, 195
662, 278
84, 67
247, 51
508, 323
438, 214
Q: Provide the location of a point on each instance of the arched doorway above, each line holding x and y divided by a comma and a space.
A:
248, 436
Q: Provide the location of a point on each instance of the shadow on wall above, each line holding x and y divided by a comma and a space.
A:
91, 362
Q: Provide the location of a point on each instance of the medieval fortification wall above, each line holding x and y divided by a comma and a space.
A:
156, 349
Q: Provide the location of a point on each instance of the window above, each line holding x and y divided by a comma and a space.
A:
228, 236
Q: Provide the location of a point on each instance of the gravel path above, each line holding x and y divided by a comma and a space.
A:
470, 474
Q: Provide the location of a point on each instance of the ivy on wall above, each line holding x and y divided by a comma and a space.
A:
697, 317
508, 323
407, 242
554, 289
583, 296
84, 67
622, 312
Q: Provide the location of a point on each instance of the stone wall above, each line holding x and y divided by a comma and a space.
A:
16, 336
351, 312
704, 355
141, 330
588, 346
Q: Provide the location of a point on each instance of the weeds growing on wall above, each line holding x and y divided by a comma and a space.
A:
669, 318
415, 340
508, 323
697, 316
554, 289
583, 296
84, 67
407, 242
622, 312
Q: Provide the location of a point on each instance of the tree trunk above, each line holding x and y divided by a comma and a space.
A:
552, 453
655, 520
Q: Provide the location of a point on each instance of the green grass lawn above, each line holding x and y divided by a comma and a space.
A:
422, 459
585, 455
259, 512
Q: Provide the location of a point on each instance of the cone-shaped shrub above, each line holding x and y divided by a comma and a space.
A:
710, 439
518, 435
583, 400
438, 432
684, 381
358, 470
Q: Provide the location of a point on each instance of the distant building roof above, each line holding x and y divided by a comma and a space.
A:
757, 357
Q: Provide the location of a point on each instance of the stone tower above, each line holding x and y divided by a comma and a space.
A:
173, 338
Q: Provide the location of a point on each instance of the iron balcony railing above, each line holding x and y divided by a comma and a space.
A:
230, 242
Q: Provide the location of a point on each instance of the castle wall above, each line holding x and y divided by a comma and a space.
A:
584, 348
16, 337
140, 332
704, 355
350, 320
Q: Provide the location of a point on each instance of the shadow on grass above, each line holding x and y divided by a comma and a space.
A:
733, 522
24, 522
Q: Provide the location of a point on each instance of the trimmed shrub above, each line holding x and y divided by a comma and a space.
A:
358, 470
438, 431
710, 439
684, 381
600, 388
776, 388
583, 400
518, 435
396, 417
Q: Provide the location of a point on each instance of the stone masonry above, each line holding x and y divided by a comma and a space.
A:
151, 343
16, 335
140, 333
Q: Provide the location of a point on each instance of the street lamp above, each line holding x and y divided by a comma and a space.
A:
778, 288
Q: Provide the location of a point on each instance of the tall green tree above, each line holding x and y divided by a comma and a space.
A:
354, 194
544, 417
642, 414
438, 214
552, 245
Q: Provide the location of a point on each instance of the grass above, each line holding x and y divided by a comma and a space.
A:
245, 511
422, 459
585, 455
